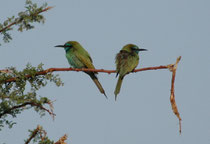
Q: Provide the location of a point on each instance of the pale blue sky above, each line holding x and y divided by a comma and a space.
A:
143, 112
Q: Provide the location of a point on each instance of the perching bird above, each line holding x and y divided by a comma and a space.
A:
78, 57
126, 61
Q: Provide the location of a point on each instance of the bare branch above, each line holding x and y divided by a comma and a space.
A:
171, 67
172, 97
50, 70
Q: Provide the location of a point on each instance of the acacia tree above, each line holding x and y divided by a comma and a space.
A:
14, 98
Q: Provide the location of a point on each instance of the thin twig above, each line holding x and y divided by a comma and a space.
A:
50, 103
43, 108
43, 134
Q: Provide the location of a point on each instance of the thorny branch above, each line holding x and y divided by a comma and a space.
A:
19, 20
171, 67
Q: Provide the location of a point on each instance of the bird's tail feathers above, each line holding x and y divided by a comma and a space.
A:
118, 86
98, 84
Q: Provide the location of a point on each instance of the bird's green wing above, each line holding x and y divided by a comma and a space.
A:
85, 58
120, 59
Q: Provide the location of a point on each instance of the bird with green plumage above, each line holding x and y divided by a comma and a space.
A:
126, 61
78, 57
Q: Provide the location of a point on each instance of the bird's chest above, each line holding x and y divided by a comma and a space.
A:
126, 63
127, 58
74, 61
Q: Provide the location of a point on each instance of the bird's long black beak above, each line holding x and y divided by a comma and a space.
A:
62, 46
142, 49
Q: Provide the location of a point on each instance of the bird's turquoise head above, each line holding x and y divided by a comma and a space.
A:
68, 45
132, 48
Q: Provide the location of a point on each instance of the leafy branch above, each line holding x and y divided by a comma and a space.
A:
24, 19
32, 104
15, 97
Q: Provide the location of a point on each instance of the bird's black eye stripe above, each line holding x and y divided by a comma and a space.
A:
134, 48
68, 45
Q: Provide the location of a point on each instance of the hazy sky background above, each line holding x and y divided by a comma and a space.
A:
142, 113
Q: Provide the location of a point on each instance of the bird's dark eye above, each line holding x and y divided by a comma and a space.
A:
68, 45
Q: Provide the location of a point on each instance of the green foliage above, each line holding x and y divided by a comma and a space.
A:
24, 20
21, 93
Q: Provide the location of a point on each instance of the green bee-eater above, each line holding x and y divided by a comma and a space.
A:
78, 57
126, 61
